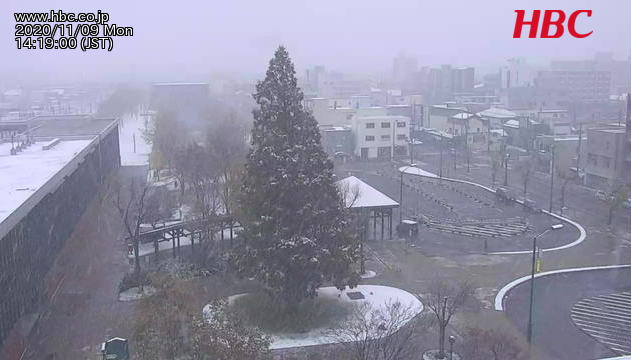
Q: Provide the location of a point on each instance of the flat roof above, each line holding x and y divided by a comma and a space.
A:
23, 174
68, 125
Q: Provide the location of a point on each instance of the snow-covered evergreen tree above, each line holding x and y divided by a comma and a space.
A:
296, 234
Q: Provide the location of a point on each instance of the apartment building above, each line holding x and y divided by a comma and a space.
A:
380, 136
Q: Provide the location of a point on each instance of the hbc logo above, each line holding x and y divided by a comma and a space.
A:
549, 23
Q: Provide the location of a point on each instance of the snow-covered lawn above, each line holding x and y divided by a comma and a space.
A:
135, 293
376, 296
130, 128
368, 274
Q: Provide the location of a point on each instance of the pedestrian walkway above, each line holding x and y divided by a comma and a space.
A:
606, 318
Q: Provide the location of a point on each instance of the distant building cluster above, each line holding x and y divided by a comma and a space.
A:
522, 107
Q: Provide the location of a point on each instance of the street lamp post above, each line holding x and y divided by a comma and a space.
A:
506, 158
452, 340
532, 282
551, 177
440, 170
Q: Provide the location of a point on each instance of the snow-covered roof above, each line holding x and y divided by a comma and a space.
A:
512, 124
361, 195
23, 174
179, 83
462, 116
497, 113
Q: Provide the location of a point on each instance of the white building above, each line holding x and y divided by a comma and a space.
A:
380, 136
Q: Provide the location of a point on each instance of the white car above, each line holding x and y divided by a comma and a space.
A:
601, 195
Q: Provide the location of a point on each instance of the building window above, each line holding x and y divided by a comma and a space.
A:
401, 124
370, 125
478, 129
385, 137
401, 137
385, 125
370, 138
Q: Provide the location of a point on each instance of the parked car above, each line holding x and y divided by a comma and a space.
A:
504, 194
601, 195
627, 204
408, 229
530, 205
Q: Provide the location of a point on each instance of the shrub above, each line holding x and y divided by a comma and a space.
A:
133, 279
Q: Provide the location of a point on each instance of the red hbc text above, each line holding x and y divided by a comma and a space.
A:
551, 24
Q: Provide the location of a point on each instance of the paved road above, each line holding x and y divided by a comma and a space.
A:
452, 203
555, 334
606, 318
579, 199
86, 309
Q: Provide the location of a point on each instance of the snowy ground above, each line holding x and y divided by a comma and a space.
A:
134, 293
24, 173
376, 295
130, 130
148, 249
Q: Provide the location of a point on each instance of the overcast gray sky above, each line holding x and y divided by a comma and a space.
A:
184, 39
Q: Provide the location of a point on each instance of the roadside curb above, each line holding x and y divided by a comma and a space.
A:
499, 298
581, 230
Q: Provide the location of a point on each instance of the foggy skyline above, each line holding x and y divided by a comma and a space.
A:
191, 40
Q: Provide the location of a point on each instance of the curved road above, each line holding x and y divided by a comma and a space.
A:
554, 333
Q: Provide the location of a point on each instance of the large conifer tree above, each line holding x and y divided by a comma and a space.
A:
295, 233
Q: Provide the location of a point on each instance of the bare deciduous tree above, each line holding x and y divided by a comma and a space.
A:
159, 206
525, 167
444, 301
133, 212
496, 161
492, 344
387, 333
227, 148
615, 199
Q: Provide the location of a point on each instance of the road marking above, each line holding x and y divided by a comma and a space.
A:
582, 234
607, 321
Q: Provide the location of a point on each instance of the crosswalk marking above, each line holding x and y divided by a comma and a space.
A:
607, 319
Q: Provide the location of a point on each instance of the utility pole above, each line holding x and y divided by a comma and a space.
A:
440, 170
506, 157
401, 200
551, 177
466, 144
394, 126
578, 155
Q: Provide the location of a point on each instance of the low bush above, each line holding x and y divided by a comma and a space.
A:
132, 279
264, 312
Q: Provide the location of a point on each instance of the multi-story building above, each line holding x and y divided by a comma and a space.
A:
337, 141
187, 102
567, 86
620, 70
403, 67
515, 74
55, 171
380, 136
608, 157
438, 116
569, 153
